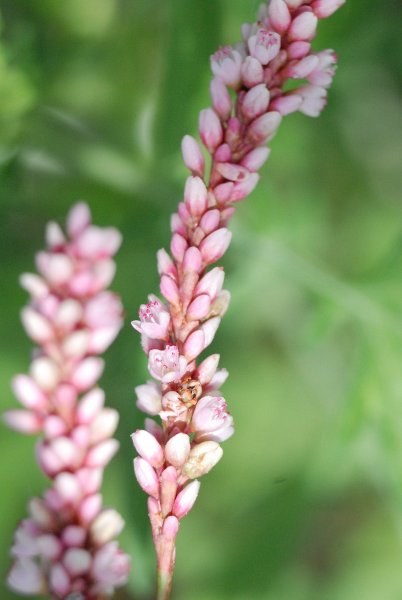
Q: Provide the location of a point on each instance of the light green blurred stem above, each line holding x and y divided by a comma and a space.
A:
164, 584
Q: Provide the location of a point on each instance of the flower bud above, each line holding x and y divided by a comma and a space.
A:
177, 449
192, 155
254, 160
146, 477
185, 500
252, 72
149, 398
203, 457
214, 246
264, 127
148, 447
221, 99
210, 129
303, 27
279, 15
199, 307
325, 8
107, 525
194, 345
195, 195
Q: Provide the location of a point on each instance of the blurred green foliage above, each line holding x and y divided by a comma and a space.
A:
95, 96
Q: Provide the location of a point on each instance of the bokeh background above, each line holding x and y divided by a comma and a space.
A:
95, 96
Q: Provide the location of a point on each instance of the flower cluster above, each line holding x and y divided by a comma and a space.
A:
250, 95
66, 545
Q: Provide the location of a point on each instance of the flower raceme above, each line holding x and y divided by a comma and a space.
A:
250, 95
66, 545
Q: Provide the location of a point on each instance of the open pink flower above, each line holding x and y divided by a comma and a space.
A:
211, 421
154, 319
226, 64
167, 365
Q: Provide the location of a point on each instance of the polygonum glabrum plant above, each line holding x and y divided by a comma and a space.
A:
66, 547
250, 95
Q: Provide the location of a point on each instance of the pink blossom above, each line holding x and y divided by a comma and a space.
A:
226, 64
167, 365
154, 319
211, 421
264, 45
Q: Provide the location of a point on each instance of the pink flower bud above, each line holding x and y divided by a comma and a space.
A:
211, 283
242, 189
36, 326
214, 246
325, 8
210, 220
279, 15
210, 129
68, 487
255, 102
100, 455
223, 192
264, 127
167, 365
221, 99
264, 45
209, 328
168, 489
56, 268
178, 246
78, 219
54, 235
107, 525
165, 263
103, 426
232, 172
192, 261
169, 289
170, 528
192, 155
45, 373
26, 577
194, 345
146, 477
148, 447
302, 68
87, 373
303, 27
73, 535
314, 99
177, 449
195, 195
77, 561
59, 580
89, 508
223, 153
211, 421
207, 369
149, 398
186, 499
254, 160
252, 72
203, 457
90, 405
199, 307
34, 285
28, 393
297, 50
23, 421
226, 64
287, 104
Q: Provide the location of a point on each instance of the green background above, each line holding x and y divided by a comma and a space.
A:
95, 96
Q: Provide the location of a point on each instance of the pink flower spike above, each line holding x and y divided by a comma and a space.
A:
195, 195
210, 129
252, 72
192, 155
149, 398
177, 449
146, 477
325, 8
194, 345
303, 27
264, 45
148, 447
255, 102
186, 499
167, 365
279, 15
254, 160
221, 100
214, 246
226, 64
23, 421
